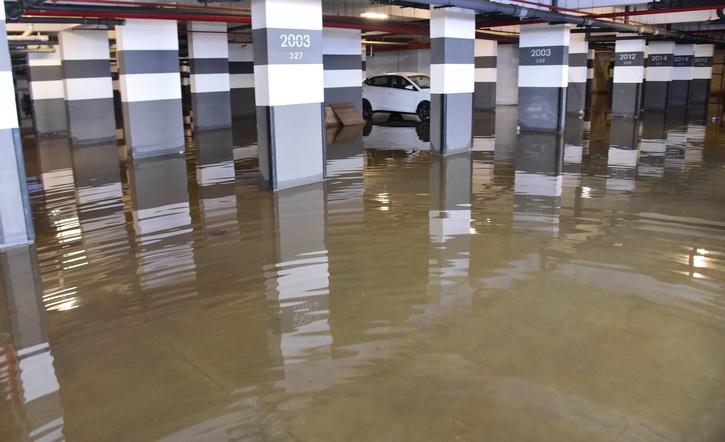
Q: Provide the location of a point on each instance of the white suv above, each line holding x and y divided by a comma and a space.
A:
403, 92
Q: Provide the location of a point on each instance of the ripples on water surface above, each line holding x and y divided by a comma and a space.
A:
536, 289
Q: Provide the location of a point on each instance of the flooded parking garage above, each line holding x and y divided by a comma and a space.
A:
540, 287
362, 220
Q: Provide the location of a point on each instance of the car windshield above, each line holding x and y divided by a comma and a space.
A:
422, 81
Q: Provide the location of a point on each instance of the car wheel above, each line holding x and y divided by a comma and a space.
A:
367, 110
423, 111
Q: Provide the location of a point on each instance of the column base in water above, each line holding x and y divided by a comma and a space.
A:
291, 142
451, 117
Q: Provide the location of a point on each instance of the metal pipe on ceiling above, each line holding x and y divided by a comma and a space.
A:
521, 12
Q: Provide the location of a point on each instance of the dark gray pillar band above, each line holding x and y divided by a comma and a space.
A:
542, 108
679, 93
451, 122
576, 97
485, 96
656, 95
626, 99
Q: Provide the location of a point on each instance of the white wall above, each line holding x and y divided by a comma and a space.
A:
507, 74
416, 60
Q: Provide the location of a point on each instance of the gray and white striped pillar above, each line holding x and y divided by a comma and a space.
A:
702, 73
658, 74
289, 91
485, 52
341, 60
628, 77
185, 72
117, 103
16, 225
148, 59
576, 91
241, 77
88, 86
452, 72
209, 63
543, 77
47, 92
364, 64
681, 75
591, 55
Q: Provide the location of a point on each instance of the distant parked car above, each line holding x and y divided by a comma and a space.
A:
402, 92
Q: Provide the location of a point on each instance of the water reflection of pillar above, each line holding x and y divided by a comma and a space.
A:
653, 144
345, 186
215, 180
505, 135
538, 182
100, 201
299, 283
695, 138
162, 225
66, 246
623, 154
573, 154
449, 227
30, 402
484, 131
676, 140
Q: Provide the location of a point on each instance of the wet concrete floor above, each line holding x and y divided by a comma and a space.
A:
536, 289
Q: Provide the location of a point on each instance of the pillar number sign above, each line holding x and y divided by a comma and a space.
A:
683, 60
659, 60
295, 44
544, 56
539, 55
629, 59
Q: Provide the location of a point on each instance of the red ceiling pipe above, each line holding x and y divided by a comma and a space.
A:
141, 15
610, 14
387, 48
166, 14
160, 5
658, 11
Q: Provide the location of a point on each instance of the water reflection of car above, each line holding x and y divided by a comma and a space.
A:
404, 92
397, 134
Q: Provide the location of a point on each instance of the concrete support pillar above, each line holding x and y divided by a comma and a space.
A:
507, 75
28, 362
209, 63
452, 69
88, 86
47, 92
148, 58
241, 77
628, 77
682, 75
658, 74
364, 64
16, 225
702, 74
543, 77
485, 52
576, 92
341, 60
289, 91
591, 55
117, 103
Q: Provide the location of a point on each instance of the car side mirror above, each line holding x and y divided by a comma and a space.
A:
410, 87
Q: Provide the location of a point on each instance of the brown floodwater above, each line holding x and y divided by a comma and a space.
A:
536, 289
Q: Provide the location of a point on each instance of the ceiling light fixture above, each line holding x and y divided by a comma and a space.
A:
374, 15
